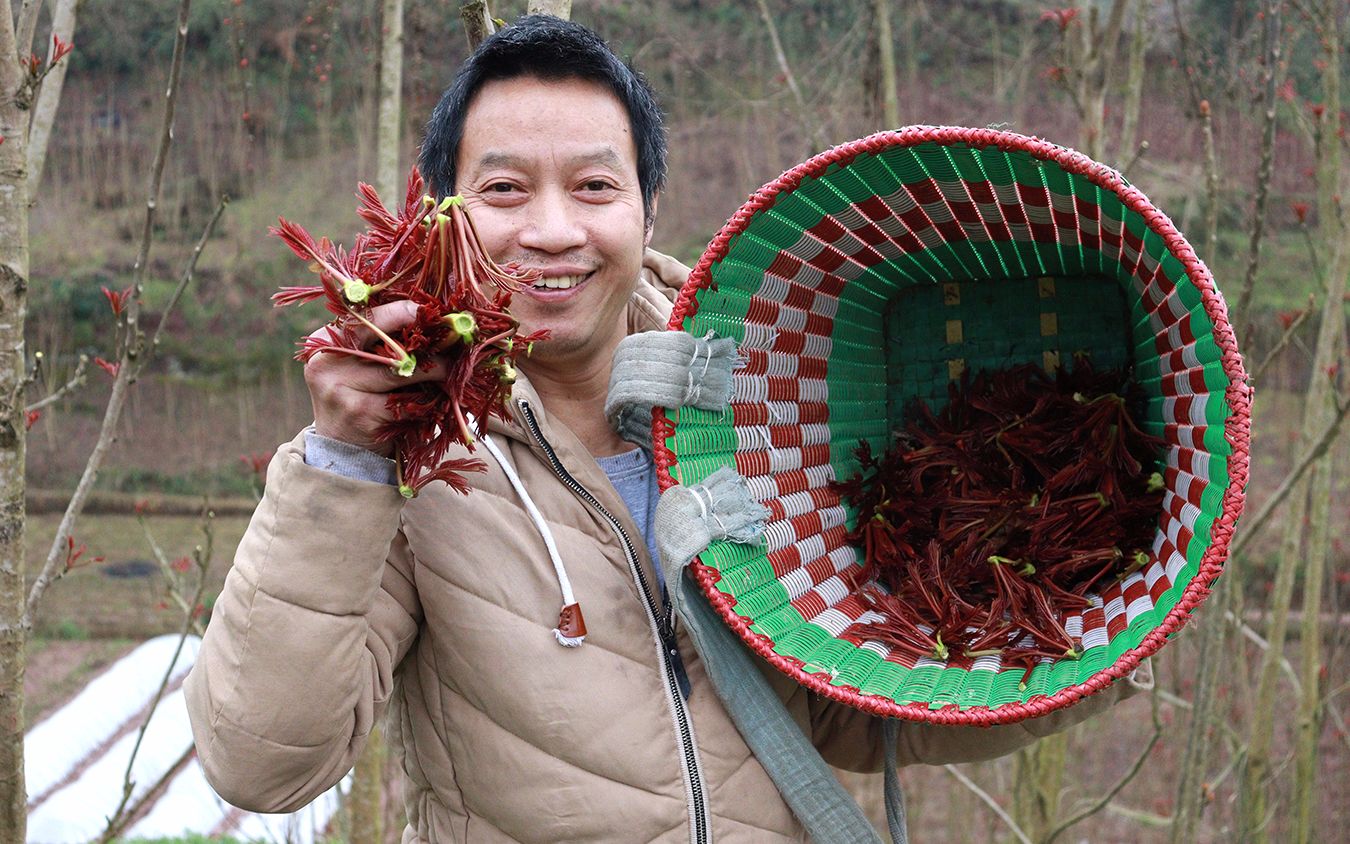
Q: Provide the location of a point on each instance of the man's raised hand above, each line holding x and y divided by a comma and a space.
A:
349, 394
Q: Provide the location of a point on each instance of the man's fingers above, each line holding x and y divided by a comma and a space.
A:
349, 391
389, 318
374, 378
368, 376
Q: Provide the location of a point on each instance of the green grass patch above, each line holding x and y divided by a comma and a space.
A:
218, 481
95, 602
188, 839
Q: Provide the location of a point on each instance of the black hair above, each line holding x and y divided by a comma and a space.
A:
547, 48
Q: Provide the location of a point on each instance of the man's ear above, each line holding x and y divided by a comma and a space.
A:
651, 222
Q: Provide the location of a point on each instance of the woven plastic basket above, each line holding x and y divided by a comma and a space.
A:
877, 272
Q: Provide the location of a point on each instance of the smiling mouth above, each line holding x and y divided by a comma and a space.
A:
562, 282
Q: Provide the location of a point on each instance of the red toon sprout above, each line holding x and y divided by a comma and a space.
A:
987, 522
428, 253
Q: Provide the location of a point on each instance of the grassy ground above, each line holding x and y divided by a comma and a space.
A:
119, 598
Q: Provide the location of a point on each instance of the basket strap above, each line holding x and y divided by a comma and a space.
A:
666, 369
687, 520
892, 795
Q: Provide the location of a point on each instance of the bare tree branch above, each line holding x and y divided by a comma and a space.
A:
1175, 700
1106, 798
186, 278
1139, 816
49, 96
1202, 110
132, 349
1334, 713
1138, 154
1318, 448
1284, 340
27, 26
202, 557
809, 122
990, 802
1327, 702
1271, 60
75, 381
1256, 639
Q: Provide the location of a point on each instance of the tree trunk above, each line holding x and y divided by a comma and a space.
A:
1194, 774
1252, 805
890, 97
556, 8
478, 23
1307, 533
913, 13
1097, 56
13, 289
870, 81
388, 174
1038, 775
1134, 87
1318, 413
1093, 127
49, 96
810, 123
364, 802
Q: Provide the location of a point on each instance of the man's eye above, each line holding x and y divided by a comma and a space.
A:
501, 187
597, 185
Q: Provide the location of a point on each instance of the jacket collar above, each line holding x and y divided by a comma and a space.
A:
648, 310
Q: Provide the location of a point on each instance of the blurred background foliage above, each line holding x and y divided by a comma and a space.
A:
278, 111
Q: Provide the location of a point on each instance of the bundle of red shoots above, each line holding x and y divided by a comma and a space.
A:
430, 254
986, 523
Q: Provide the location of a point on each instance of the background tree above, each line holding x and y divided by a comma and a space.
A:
19, 78
389, 174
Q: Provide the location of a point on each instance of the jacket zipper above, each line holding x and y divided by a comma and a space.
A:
662, 621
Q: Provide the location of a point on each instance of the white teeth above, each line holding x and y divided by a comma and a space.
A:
559, 282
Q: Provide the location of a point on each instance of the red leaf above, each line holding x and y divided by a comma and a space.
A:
60, 49
117, 301
1061, 17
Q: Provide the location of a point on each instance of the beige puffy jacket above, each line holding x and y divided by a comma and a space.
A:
344, 600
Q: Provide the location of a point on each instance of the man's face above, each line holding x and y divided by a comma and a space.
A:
549, 170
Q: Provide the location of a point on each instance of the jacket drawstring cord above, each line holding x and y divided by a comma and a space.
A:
571, 629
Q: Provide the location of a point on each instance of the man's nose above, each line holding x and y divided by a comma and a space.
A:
554, 224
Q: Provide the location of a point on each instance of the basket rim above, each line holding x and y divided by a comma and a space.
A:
1237, 395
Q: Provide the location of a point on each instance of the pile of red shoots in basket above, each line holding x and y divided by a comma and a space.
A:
986, 523
429, 253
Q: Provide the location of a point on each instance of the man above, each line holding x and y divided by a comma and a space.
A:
344, 599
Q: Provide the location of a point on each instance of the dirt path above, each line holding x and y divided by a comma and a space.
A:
58, 669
